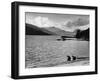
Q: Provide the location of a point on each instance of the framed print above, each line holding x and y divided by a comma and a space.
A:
50, 40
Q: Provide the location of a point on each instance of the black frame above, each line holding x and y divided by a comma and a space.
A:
15, 39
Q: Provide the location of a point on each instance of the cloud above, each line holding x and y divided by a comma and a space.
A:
72, 25
77, 23
40, 21
68, 25
84, 27
43, 22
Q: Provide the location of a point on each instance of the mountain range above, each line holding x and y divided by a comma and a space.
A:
35, 30
60, 32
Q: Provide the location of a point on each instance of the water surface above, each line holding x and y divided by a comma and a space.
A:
45, 51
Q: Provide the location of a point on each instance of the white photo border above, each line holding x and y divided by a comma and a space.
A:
54, 70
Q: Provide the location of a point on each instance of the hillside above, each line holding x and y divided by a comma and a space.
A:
34, 30
60, 32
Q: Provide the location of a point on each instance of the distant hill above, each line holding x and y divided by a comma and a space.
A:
60, 32
34, 30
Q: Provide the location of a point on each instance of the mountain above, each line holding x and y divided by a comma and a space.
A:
60, 32
34, 30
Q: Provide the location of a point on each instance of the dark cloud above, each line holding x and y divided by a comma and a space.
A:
78, 22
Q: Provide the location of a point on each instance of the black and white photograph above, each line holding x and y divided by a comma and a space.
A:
56, 40
50, 40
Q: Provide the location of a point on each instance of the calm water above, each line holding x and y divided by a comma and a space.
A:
43, 51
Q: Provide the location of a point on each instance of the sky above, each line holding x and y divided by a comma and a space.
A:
68, 22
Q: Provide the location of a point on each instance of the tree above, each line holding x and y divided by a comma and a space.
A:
83, 34
78, 33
